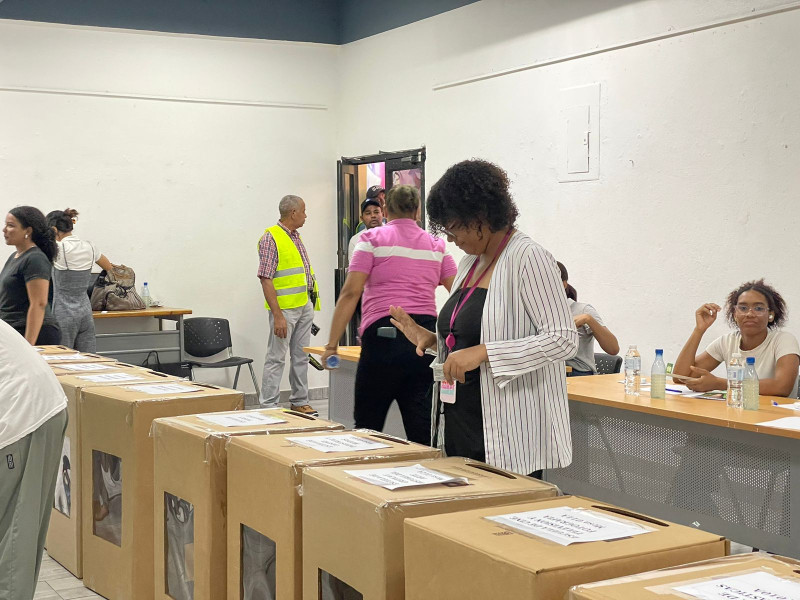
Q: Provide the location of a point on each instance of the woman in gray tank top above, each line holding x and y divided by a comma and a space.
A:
72, 272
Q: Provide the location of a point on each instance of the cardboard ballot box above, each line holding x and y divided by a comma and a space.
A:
353, 530
265, 512
117, 454
520, 552
190, 494
64, 539
751, 576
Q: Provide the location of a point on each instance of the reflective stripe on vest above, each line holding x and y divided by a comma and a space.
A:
289, 280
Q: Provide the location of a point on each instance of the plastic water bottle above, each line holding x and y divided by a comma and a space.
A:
658, 377
146, 295
735, 381
633, 372
750, 385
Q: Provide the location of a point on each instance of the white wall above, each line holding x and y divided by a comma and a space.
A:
698, 140
178, 189
698, 168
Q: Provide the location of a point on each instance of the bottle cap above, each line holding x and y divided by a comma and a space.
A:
659, 352
751, 360
332, 362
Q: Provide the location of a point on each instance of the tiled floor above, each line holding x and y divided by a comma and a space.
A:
56, 583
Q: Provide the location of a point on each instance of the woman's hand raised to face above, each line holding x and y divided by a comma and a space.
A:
416, 334
706, 315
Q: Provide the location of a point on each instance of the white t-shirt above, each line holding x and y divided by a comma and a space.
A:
584, 358
76, 254
29, 391
776, 345
351, 247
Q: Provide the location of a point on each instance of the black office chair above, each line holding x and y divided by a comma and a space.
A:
605, 363
206, 336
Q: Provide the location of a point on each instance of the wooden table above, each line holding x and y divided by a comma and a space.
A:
688, 460
341, 391
122, 335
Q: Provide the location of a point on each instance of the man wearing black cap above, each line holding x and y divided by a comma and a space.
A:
378, 193
371, 216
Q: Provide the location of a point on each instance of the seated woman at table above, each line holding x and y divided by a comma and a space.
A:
590, 327
757, 311
72, 272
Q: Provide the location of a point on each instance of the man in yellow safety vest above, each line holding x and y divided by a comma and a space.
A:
291, 294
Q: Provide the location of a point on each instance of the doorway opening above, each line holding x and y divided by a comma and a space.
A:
355, 175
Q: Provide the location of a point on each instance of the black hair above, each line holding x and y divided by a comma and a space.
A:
63, 220
775, 302
572, 293
42, 235
471, 192
403, 200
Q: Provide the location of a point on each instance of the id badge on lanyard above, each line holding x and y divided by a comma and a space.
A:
447, 392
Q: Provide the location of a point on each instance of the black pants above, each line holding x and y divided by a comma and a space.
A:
49, 335
389, 369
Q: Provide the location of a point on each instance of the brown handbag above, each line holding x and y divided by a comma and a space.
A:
116, 290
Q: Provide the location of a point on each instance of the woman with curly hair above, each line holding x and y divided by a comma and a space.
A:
502, 336
25, 278
757, 311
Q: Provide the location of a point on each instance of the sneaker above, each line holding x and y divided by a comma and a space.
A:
305, 409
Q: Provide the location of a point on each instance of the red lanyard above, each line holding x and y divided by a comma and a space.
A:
450, 340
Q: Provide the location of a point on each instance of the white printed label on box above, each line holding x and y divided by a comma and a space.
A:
110, 377
393, 478
337, 443
565, 525
158, 389
74, 356
87, 367
752, 586
240, 418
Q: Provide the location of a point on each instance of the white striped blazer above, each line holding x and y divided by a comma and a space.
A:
528, 332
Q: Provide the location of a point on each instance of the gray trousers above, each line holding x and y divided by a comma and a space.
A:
298, 321
27, 487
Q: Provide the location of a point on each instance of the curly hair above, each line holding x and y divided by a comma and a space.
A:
63, 220
42, 235
471, 192
775, 302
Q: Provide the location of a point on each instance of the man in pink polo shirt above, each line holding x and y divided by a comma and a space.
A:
398, 264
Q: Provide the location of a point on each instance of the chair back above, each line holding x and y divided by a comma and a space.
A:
206, 336
605, 363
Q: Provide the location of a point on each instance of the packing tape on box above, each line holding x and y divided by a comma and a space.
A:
692, 571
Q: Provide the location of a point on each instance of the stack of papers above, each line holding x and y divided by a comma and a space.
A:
784, 423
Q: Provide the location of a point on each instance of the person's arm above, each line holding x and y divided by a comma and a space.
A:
271, 296
37, 299
104, 263
607, 340
345, 307
542, 295
704, 317
415, 333
447, 282
782, 384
